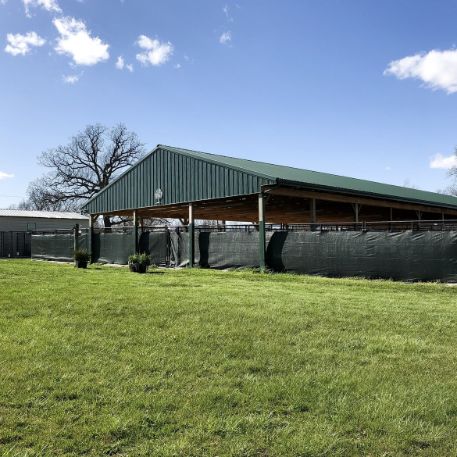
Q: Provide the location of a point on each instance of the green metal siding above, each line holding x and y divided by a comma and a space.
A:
181, 178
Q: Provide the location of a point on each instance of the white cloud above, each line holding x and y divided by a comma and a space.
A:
4, 175
70, 79
436, 69
48, 5
443, 162
155, 52
76, 41
120, 64
225, 38
226, 11
22, 44
178, 66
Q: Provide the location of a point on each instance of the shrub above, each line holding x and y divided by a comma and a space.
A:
81, 255
141, 259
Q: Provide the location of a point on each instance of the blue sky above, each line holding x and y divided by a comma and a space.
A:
359, 88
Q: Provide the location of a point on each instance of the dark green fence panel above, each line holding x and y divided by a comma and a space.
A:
412, 256
229, 249
408, 255
156, 244
15, 244
179, 249
53, 246
113, 247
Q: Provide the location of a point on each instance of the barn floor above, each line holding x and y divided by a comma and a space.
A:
204, 362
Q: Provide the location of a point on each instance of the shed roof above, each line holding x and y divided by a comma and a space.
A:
286, 174
41, 214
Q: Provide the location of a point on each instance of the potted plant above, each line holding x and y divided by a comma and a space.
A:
139, 263
82, 258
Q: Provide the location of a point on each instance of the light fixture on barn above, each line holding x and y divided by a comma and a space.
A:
158, 194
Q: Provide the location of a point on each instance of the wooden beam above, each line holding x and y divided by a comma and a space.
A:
293, 192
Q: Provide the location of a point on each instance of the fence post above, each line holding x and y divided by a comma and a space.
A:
135, 232
90, 234
262, 242
191, 231
75, 238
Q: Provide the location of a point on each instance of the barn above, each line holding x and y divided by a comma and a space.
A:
16, 227
14, 220
302, 205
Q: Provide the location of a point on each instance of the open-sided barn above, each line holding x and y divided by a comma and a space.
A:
179, 183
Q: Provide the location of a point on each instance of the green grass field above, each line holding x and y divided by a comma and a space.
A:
210, 363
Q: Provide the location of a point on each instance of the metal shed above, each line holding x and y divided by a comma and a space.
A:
13, 220
173, 182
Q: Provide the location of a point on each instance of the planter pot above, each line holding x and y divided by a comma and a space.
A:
81, 263
142, 268
138, 268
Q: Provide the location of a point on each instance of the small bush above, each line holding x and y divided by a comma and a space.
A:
141, 259
81, 255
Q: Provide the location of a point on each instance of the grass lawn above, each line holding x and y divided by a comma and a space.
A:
210, 363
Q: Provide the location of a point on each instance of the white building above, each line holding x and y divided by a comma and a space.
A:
13, 220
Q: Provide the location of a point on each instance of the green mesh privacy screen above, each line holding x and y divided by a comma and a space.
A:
157, 245
15, 244
403, 256
112, 247
53, 247
428, 255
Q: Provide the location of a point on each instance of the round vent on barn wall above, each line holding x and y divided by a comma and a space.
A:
158, 194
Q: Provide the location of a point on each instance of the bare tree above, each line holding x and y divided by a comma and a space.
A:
80, 169
452, 189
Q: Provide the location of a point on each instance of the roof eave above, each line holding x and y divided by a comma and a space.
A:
364, 193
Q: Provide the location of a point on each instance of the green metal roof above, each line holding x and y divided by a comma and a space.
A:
325, 181
183, 175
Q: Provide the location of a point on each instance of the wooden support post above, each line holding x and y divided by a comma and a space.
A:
312, 211
262, 239
191, 231
391, 214
356, 208
419, 218
75, 238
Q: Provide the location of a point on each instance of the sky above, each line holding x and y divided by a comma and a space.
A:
360, 88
